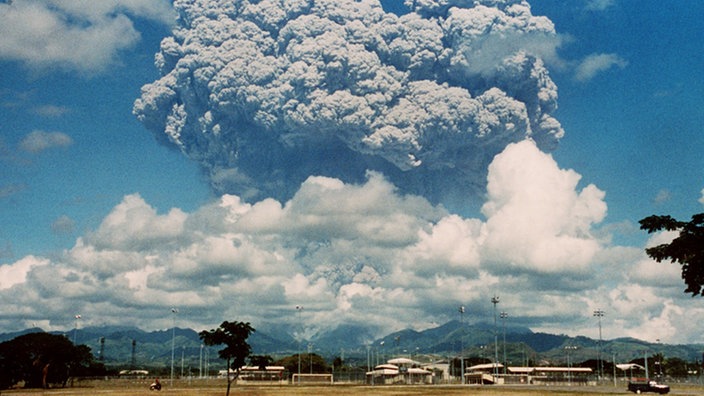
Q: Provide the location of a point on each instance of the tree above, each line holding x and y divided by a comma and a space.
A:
291, 363
234, 335
687, 249
261, 361
42, 359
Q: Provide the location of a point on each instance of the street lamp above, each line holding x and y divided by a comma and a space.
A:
495, 300
461, 311
174, 311
599, 313
503, 316
299, 308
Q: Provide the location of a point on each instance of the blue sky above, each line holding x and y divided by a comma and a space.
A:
109, 155
633, 131
87, 192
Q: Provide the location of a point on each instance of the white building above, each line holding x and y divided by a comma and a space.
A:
400, 371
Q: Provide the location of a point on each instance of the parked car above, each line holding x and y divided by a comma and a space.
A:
648, 386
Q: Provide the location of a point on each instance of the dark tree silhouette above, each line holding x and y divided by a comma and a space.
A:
42, 359
310, 362
261, 361
686, 250
234, 336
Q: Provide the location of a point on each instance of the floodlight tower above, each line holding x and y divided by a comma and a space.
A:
101, 357
569, 348
174, 311
599, 313
200, 362
75, 331
299, 308
503, 316
495, 300
133, 361
461, 311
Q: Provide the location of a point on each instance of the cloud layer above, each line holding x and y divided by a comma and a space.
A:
360, 254
69, 34
264, 94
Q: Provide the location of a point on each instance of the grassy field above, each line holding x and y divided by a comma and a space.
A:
213, 388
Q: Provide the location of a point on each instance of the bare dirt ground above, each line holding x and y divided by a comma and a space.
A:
217, 388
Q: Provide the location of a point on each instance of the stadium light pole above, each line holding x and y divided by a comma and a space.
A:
207, 362
174, 311
503, 316
569, 348
461, 311
299, 308
200, 362
75, 331
599, 313
495, 300
310, 356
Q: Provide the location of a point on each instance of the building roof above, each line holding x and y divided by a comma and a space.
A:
383, 371
485, 366
268, 368
398, 361
529, 370
629, 366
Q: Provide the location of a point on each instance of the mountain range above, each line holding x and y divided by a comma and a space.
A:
130, 347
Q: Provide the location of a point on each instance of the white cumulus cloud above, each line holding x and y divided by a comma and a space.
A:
597, 63
537, 219
344, 250
73, 34
16, 273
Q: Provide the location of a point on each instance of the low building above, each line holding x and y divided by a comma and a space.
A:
484, 374
134, 373
399, 371
254, 374
492, 373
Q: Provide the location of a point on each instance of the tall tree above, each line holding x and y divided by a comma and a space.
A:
234, 336
687, 249
42, 359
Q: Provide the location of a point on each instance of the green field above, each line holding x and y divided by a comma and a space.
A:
213, 388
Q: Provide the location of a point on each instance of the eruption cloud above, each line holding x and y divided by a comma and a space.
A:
263, 94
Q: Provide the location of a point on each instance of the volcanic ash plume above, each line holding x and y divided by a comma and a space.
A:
265, 93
